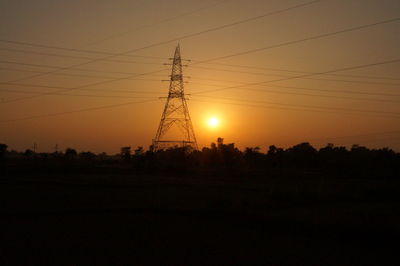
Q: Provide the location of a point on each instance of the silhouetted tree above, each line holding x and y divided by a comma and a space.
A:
28, 153
3, 150
70, 153
126, 153
87, 155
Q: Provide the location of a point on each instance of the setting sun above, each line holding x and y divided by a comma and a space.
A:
213, 122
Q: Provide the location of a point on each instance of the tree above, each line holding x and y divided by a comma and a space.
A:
126, 153
70, 153
3, 150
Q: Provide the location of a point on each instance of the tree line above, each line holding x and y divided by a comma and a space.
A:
221, 158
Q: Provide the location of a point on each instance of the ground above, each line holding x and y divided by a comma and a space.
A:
164, 220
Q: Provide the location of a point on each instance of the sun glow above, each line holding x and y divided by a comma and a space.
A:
213, 122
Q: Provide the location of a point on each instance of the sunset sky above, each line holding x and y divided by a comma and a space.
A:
87, 74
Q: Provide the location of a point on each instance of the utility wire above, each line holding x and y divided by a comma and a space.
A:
202, 84
77, 111
307, 106
75, 56
195, 61
179, 38
320, 36
206, 68
77, 69
161, 21
80, 87
304, 76
68, 75
294, 108
285, 76
293, 71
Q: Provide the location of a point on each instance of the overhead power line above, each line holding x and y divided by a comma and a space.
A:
77, 111
206, 68
305, 109
73, 75
162, 21
202, 84
320, 36
307, 106
303, 76
72, 88
180, 37
285, 76
75, 69
76, 56
280, 92
78, 87
293, 71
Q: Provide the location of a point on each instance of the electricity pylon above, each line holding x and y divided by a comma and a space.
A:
175, 129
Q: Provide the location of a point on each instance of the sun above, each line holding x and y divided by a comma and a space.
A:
213, 122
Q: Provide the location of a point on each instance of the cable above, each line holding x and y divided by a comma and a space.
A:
179, 38
68, 74
305, 75
320, 79
307, 106
78, 95
76, 57
57, 67
319, 95
76, 111
217, 69
71, 88
294, 109
303, 40
293, 71
80, 87
161, 21
360, 135
196, 61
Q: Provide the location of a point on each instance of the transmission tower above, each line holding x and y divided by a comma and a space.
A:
175, 129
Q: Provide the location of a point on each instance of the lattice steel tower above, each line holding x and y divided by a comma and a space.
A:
175, 127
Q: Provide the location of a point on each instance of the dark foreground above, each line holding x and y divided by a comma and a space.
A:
146, 220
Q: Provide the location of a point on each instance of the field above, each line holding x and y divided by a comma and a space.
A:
126, 219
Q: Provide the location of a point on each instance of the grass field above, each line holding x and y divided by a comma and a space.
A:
124, 219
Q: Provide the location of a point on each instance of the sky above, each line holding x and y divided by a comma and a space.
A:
88, 74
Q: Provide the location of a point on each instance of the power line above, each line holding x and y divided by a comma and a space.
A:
181, 37
317, 95
71, 88
68, 74
216, 69
260, 90
57, 67
278, 75
196, 61
78, 95
360, 135
300, 88
307, 106
293, 71
75, 56
305, 75
77, 111
294, 108
161, 21
80, 87
303, 40
67, 49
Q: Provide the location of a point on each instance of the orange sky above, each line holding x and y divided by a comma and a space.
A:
355, 106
